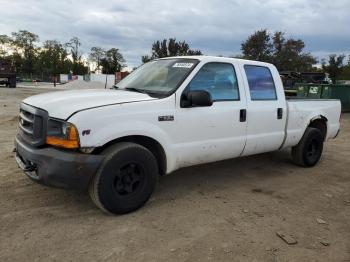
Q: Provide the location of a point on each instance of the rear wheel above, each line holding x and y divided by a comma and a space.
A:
309, 150
12, 82
126, 179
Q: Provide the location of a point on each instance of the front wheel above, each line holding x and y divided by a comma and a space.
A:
126, 179
309, 150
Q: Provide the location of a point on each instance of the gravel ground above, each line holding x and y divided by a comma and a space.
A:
76, 84
225, 211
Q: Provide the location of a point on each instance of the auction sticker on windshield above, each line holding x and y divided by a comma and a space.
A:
183, 65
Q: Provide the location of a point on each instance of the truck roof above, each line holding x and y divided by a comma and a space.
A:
206, 58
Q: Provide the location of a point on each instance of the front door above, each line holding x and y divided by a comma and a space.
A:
216, 132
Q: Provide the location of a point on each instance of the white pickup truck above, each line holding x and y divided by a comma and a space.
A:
169, 113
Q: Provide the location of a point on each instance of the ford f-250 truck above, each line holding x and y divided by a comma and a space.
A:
167, 114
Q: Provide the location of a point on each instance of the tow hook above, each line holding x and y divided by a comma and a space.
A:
26, 166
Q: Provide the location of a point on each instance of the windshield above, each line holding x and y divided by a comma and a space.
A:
159, 77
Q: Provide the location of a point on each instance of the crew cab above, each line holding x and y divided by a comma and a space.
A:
168, 114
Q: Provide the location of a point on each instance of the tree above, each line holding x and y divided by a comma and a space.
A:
145, 58
78, 66
286, 54
96, 55
25, 50
334, 66
258, 46
74, 44
345, 74
113, 61
52, 59
171, 47
194, 52
5, 42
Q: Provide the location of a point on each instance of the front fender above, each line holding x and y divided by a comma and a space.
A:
97, 137
114, 131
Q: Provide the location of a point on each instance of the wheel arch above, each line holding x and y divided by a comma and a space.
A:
150, 143
320, 122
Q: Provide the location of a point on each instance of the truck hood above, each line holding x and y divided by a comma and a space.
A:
63, 104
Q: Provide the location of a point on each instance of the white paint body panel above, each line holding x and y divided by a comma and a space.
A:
197, 135
208, 134
62, 104
301, 113
264, 131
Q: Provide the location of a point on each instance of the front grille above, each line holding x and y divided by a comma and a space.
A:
32, 124
26, 123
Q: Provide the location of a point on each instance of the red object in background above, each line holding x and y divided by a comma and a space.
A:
74, 77
120, 75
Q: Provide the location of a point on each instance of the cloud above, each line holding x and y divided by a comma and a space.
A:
216, 27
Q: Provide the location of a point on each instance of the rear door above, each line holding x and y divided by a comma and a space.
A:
266, 109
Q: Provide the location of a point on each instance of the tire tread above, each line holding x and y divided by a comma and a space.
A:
298, 150
110, 152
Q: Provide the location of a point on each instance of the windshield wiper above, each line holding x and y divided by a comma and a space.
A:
133, 89
144, 91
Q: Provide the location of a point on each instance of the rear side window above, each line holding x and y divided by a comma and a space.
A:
261, 84
219, 79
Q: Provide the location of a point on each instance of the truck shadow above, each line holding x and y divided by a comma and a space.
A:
205, 180
227, 173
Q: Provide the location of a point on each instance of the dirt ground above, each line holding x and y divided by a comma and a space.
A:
225, 211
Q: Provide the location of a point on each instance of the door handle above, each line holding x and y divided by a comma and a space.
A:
279, 113
242, 115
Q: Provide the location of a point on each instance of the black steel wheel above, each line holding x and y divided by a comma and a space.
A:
126, 179
129, 179
309, 150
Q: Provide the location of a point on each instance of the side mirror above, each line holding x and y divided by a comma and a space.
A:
196, 98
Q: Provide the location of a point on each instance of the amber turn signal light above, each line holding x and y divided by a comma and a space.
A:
71, 140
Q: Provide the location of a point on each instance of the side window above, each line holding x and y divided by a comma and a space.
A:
261, 84
219, 79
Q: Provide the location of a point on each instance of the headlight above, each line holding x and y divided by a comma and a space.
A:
62, 134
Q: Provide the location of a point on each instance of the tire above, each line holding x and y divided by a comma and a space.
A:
126, 179
309, 150
12, 83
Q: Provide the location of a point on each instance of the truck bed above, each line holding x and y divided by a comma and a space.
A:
298, 99
300, 112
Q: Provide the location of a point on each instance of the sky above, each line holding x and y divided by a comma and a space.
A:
215, 27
